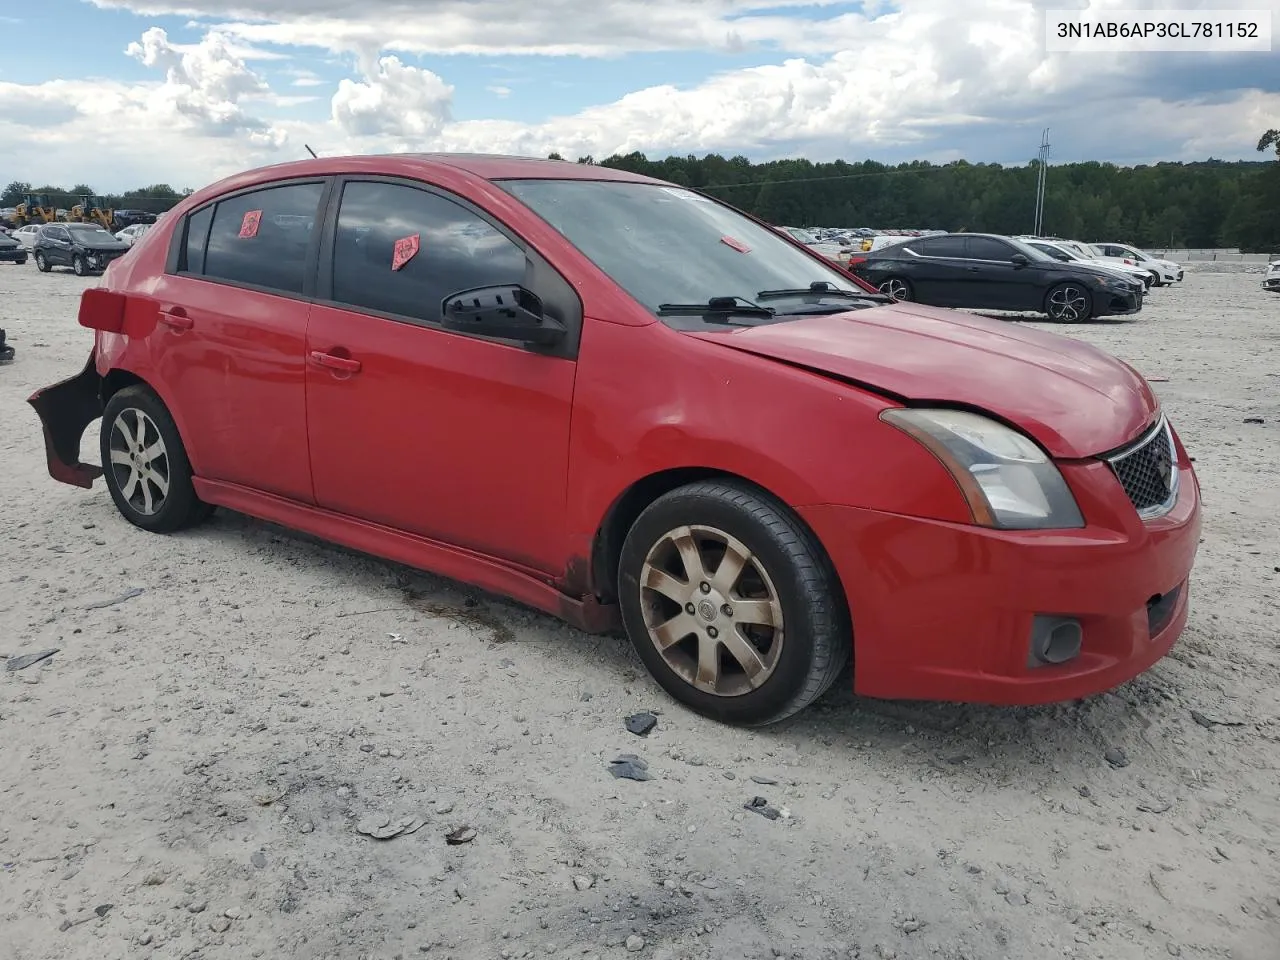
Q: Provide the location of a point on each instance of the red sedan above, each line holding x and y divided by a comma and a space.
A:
628, 404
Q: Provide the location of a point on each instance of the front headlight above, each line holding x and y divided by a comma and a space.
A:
1007, 480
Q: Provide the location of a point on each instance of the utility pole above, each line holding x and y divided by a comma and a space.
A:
1041, 170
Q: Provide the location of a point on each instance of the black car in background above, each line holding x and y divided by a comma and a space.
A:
84, 247
11, 251
988, 272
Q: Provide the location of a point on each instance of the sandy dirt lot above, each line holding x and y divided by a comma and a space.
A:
188, 777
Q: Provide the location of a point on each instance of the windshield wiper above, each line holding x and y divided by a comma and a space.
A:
735, 306
821, 288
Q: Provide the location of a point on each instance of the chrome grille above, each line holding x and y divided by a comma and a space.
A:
1147, 470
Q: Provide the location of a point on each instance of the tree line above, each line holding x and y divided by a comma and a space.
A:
1212, 203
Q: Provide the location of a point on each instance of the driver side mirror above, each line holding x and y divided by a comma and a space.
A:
509, 312
1019, 260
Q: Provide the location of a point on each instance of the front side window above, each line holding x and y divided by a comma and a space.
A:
403, 251
987, 248
668, 245
261, 238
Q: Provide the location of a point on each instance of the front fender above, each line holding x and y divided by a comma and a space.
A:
65, 410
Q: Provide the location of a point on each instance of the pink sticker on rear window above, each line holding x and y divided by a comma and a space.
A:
406, 249
736, 244
249, 225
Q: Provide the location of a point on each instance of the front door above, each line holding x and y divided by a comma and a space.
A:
455, 437
996, 282
230, 342
57, 249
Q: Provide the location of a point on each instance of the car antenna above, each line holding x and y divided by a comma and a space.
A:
310, 151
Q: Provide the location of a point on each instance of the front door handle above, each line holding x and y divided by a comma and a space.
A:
176, 317
345, 364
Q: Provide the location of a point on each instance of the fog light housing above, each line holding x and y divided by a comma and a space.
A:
1054, 640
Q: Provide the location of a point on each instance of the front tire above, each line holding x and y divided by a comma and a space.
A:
145, 463
751, 642
78, 265
42, 264
1156, 279
1068, 303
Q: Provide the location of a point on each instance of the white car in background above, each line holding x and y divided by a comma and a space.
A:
1065, 251
1164, 271
27, 235
837, 252
130, 235
1271, 280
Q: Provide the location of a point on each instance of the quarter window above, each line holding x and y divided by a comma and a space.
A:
261, 238
403, 251
196, 240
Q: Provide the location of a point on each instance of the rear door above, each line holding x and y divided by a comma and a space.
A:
935, 270
460, 438
230, 345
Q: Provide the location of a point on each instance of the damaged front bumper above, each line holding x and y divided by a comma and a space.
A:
66, 409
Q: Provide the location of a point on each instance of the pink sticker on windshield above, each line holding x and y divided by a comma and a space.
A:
736, 244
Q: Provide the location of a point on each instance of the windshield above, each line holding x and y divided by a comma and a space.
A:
85, 233
668, 245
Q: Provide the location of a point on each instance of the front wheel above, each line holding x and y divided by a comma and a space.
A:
1069, 303
732, 604
42, 264
145, 463
79, 266
1156, 279
897, 288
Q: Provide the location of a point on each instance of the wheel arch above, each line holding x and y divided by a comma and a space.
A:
606, 547
116, 379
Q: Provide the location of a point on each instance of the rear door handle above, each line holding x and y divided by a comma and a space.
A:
176, 317
345, 364
974, 269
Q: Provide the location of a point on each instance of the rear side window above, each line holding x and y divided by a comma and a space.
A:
196, 240
402, 251
939, 247
262, 238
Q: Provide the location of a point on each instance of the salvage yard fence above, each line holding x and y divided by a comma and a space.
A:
1223, 255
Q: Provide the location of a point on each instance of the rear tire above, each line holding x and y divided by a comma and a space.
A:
896, 287
761, 643
145, 463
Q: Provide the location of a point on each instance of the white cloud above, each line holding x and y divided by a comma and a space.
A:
499, 91
395, 101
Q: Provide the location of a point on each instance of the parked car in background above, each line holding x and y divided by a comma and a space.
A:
451, 363
123, 219
26, 235
832, 250
11, 251
988, 272
130, 235
84, 247
1162, 271
1271, 280
1060, 251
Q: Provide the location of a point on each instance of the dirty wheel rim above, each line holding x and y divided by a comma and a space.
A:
711, 610
895, 288
78, 266
139, 461
1068, 303
40, 260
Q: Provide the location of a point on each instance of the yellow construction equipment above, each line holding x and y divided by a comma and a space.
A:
92, 210
35, 208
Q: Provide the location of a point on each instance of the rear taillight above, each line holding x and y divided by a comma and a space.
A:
102, 309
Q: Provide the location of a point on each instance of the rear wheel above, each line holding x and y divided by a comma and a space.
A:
732, 604
42, 264
896, 287
145, 463
1069, 303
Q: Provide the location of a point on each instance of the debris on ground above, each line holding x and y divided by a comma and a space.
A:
764, 781
1116, 757
761, 806
460, 836
1209, 722
127, 595
630, 767
641, 723
14, 664
382, 827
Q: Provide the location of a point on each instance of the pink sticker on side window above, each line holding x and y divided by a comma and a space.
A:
405, 250
736, 244
249, 225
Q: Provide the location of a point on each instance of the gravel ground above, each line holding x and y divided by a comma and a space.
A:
190, 774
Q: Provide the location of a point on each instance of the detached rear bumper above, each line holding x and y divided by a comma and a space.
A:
65, 410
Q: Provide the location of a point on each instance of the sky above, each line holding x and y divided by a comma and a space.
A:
125, 93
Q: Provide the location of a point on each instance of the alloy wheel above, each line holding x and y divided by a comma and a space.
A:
711, 610
895, 288
139, 461
1068, 303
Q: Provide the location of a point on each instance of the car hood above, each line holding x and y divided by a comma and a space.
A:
6, 243
102, 246
1076, 400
